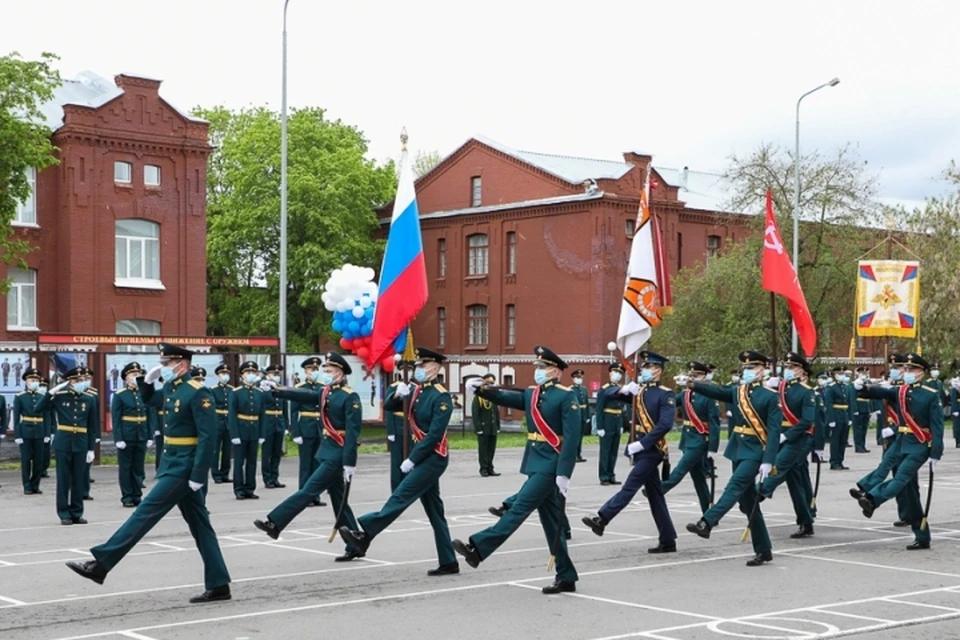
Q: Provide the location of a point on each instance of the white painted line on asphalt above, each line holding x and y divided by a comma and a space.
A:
168, 547
850, 615
12, 601
4, 563
872, 565
134, 635
920, 604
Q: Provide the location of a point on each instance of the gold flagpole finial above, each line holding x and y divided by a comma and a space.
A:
403, 139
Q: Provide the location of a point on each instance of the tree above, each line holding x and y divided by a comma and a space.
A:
333, 191
24, 139
424, 162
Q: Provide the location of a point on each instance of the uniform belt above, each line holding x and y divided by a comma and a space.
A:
839, 406
222, 412
536, 437
134, 418
180, 442
310, 414
615, 412
248, 417
274, 412
31, 419
583, 406
399, 414
161, 412
786, 423
69, 428
906, 429
747, 431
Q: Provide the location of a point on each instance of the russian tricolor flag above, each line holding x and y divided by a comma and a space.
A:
403, 276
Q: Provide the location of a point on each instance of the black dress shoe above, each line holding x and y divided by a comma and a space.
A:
88, 497
318, 503
445, 570
663, 548
559, 586
581, 459
861, 450
917, 545
252, 496
839, 467
92, 481
47, 475
213, 595
856, 493
80, 520
484, 474
468, 552
65, 521
240, 496
594, 523
279, 485
611, 482
760, 559
268, 527
218, 481
803, 531
605, 483
701, 528
493, 474
348, 556
901, 523
127, 504
356, 539
89, 569
498, 511
37, 492
866, 505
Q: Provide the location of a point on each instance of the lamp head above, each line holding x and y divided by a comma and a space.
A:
611, 346
834, 82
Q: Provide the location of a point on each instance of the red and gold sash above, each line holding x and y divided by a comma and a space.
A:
416, 432
749, 412
921, 434
698, 424
646, 422
549, 435
328, 428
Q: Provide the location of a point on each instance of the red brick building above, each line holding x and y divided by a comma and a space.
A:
119, 225
525, 248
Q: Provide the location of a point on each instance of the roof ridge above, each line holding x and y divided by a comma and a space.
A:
569, 157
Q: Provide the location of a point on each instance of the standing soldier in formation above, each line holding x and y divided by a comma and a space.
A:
840, 400
274, 427
553, 426
583, 398
861, 415
189, 436
50, 426
609, 416
486, 424
919, 441
245, 424
655, 409
341, 416
430, 407
94, 393
305, 424
131, 434
31, 430
699, 438
395, 435
220, 468
74, 411
955, 411
752, 448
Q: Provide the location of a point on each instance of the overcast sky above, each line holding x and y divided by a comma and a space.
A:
688, 82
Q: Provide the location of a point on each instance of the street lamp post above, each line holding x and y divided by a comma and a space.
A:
796, 203
282, 321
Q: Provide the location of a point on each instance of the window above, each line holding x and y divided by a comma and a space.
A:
138, 253
477, 246
22, 299
135, 327
679, 251
442, 258
477, 325
27, 210
713, 246
441, 326
629, 227
511, 325
151, 175
511, 253
476, 189
122, 172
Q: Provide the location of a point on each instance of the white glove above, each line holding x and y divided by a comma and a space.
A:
765, 469
632, 388
298, 440
682, 380
772, 382
479, 433
46, 440
634, 448
149, 444
876, 413
601, 432
261, 440
121, 445
831, 424
886, 432
403, 390
58, 388
729, 414
195, 486
348, 473
18, 440
90, 457
955, 383
235, 440
821, 456
156, 433
956, 413
563, 484
933, 463
391, 438
858, 384
152, 376
783, 438
474, 383
407, 466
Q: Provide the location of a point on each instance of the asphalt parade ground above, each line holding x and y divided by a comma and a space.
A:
853, 578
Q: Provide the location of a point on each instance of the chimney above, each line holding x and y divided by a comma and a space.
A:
137, 84
683, 177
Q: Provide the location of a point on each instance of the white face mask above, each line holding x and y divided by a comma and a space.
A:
273, 377
615, 377
224, 378
132, 379
33, 385
578, 381
935, 373
251, 378
709, 376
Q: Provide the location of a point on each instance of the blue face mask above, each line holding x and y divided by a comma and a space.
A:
748, 376
325, 378
646, 375
909, 377
616, 377
167, 374
540, 376
81, 386
895, 375
315, 375
789, 375
420, 374
250, 378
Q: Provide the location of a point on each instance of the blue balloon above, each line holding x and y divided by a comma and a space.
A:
336, 325
368, 312
354, 327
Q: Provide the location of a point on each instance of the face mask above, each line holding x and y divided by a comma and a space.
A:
895, 375
224, 378
578, 381
81, 386
420, 374
708, 377
167, 373
326, 378
250, 378
823, 382
935, 373
42, 388
33, 385
132, 379
273, 378
646, 375
314, 376
615, 377
540, 376
789, 375
735, 379
748, 376
910, 377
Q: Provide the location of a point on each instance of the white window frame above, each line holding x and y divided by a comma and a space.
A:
22, 207
116, 165
141, 280
441, 326
511, 322
478, 325
478, 256
146, 182
132, 327
441, 257
476, 191
512, 241
16, 293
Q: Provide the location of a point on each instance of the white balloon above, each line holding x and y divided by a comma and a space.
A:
365, 302
358, 312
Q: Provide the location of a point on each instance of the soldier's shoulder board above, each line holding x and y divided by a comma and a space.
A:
605, 385
196, 384
930, 389
565, 388
301, 384
665, 388
347, 389
766, 388
439, 387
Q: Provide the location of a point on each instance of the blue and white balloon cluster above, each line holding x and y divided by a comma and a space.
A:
351, 294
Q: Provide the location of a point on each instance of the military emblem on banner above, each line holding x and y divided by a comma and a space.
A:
888, 298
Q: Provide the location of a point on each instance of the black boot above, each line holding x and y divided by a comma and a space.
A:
356, 539
856, 493
595, 524
213, 595
559, 586
803, 531
916, 545
445, 570
268, 527
498, 511
90, 569
348, 555
664, 548
866, 505
468, 551
760, 558
701, 528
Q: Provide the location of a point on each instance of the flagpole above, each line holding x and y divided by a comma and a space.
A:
773, 331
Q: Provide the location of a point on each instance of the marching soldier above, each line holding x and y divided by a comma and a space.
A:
583, 398
131, 434
305, 423
31, 431
486, 424
839, 399
798, 402
554, 427
50, 426
395, 436
74, 411
861, 415
429, 413
609, 412
245, 423
274, 429
655, 410
752, 448
919, 441
341, 416
155, 421
700, 437
222, 392
189, 437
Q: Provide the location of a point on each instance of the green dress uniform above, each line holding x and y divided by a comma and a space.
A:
700, 436
550, 452
273, 429
609, 416
50, 424
955, 414
305, 421
31, 428
220, 469
395, 434
583, 401
155, 422
245, 421
861, 422
840, 399
190, 435
128, 413
486, 424
98, 434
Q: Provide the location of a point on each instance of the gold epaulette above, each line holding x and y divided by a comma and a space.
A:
196, 384
930, 389
564, 387
439, 387
302, 384
665, 388
347, 389
395, 383
605, 385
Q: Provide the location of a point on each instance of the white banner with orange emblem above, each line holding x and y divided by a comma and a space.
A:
888, 298
640, 309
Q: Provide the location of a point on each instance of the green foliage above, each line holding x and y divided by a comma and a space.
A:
425, 161
24, 139
333, 190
